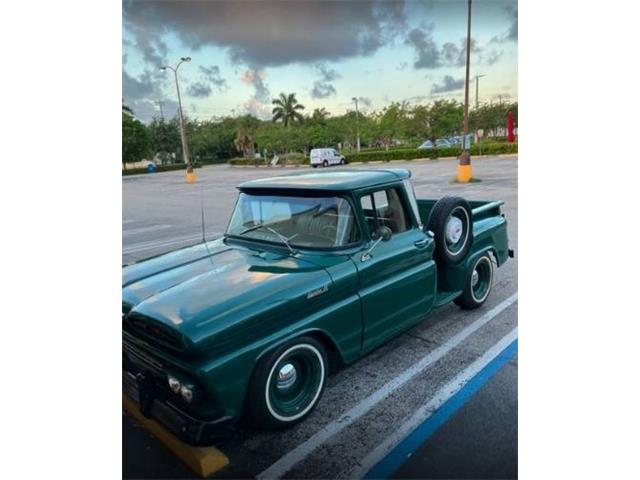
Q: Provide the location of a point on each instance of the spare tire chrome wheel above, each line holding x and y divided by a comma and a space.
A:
478, 284
287, 383
451, 223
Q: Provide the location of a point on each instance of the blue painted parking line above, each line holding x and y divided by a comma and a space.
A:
394, 460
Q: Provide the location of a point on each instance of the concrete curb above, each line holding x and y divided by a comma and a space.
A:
204, 461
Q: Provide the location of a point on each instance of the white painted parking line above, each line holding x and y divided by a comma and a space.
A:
134, 231
168, 242
443, 394
292, 458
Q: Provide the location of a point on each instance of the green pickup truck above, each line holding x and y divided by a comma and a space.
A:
314, 271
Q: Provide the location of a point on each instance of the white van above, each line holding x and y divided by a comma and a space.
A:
325, 157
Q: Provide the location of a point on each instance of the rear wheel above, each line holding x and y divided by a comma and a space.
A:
342, 162
287, 383
478, 284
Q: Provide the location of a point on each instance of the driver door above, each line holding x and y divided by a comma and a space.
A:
397, 282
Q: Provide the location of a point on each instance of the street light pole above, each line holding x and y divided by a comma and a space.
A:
357, 123
191, 177
464, 167
478, 77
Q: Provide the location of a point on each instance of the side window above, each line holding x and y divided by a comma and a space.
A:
385, 208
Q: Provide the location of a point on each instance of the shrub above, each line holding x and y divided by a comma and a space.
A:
159, 168
396, 154
414, 153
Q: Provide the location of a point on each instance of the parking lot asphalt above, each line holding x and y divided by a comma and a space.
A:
358, 412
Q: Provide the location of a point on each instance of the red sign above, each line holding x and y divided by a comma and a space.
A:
510, 136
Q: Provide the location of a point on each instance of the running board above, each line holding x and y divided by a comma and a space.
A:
443, 298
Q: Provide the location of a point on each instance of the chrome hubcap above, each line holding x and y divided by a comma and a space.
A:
286, 376
454, 229
475, 277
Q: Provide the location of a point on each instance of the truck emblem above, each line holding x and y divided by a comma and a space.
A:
319, 291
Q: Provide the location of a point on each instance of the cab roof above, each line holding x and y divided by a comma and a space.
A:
333, 180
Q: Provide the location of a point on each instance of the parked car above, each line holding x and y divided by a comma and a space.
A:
326, 157
314, 271
426, 145
455, 140
440, 143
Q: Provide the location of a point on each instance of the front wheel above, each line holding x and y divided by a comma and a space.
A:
478, 284
287, 384
325, 164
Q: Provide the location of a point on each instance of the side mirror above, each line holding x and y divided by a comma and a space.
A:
383, 234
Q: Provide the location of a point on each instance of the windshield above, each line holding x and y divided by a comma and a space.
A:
311, 222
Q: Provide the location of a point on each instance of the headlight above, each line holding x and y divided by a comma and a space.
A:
186, 393
174, 384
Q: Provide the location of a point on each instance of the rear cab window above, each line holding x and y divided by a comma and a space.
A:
385, 208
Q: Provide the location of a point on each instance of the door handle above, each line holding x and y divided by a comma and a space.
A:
421, 243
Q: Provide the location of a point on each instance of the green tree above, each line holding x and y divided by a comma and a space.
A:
136, 143
286, 109
444, 119
492, 116
392, 124
164, 136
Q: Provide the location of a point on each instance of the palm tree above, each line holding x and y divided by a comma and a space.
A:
126, 109
286, 109
243, 141
319, 115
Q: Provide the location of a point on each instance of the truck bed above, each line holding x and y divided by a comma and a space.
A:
490, 234
480, 209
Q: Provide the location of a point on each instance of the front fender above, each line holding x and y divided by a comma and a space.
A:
225, 379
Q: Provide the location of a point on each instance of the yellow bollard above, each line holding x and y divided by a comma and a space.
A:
191, 177
464, 173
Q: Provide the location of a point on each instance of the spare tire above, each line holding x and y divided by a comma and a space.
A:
450, 222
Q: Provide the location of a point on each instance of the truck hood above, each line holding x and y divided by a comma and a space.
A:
189, 298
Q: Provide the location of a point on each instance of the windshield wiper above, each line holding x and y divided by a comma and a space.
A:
284, 239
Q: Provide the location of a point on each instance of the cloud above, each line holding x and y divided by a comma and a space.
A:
212, 75
493, 57
322, 90
450, 54
134, 88
152, 47
365, 101
427, 52
511, 34
260, 103
449, 84
402, 66
274, 33
323, 87
199, 89
255, 78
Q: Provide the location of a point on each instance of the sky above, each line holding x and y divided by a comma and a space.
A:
245, 53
